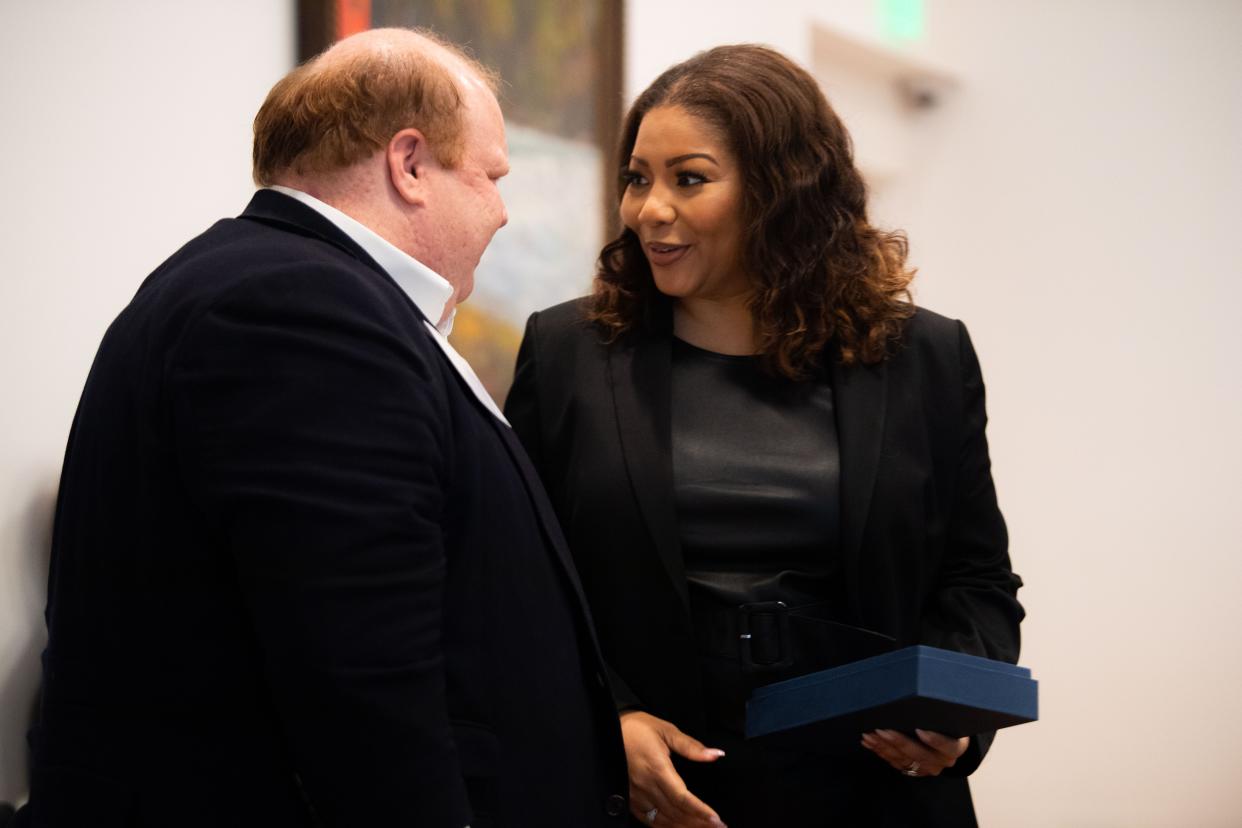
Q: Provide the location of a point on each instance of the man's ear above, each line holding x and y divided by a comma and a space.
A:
408, 160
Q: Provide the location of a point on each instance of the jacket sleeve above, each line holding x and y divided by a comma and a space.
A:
974, 607
310, 428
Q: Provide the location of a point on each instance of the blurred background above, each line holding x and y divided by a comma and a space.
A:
1067, 170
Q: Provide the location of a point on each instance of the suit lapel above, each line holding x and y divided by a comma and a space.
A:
639, 373
279, 210
546, 516
860, 395
543, 509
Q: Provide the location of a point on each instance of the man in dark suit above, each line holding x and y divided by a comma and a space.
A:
302, 572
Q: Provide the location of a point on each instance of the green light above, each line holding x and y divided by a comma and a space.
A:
901, 19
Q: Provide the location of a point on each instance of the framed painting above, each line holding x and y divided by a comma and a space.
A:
561, 94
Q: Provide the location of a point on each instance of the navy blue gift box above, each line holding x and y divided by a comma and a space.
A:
915, 687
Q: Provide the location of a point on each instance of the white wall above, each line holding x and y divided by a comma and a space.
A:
1072, 202
1075, 202
1077, 205
126, 132
659, 33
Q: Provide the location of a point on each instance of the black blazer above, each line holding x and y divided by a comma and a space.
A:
300, 575
923, 544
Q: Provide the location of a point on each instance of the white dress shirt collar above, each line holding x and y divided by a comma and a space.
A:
429, 291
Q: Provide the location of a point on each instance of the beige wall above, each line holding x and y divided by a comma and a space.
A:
1073, 201
1077, 204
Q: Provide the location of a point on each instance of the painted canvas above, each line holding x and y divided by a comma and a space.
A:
559, 61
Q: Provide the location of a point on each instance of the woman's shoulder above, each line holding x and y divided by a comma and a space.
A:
564, 331
932, 344
927, 326
927, 332
936, 353
565, 318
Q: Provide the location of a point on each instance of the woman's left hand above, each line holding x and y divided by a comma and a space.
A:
927, 756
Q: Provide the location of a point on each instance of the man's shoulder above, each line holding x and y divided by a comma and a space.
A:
234, 247
244, 270
236, 259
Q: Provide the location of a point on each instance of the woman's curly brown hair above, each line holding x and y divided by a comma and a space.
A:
821, 272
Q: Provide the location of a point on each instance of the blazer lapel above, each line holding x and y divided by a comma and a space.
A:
639, 374
278, 209
546, 516
860, 394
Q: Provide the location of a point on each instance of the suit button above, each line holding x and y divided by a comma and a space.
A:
615, 806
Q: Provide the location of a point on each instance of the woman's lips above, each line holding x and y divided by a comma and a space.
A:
665, 254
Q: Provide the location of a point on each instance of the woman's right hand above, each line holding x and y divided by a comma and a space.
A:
657, 794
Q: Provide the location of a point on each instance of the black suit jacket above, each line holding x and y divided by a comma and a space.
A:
923, 544
300, 575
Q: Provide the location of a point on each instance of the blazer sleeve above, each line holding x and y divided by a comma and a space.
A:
974, 607
310, 427
523, 411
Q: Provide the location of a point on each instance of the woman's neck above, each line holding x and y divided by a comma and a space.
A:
725, 327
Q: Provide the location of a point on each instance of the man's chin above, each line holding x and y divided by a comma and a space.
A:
465, 289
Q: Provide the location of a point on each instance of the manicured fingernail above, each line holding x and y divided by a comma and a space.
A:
922, 734
716, 752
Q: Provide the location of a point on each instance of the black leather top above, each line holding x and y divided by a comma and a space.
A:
757, 473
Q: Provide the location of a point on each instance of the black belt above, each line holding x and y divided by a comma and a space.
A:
770, 636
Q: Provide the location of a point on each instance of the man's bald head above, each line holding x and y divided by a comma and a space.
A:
345, 104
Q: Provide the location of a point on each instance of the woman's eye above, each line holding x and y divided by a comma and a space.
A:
689, 179
631, 178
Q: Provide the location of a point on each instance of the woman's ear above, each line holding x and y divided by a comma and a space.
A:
408, 159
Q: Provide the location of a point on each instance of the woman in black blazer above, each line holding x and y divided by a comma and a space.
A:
767, 461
